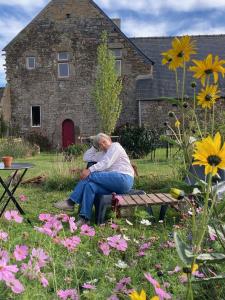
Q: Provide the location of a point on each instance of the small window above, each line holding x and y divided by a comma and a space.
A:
63, 70
30, 62
35, 116
63, 56
118, 67
117, 53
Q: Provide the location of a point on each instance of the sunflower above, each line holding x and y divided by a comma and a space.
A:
181, 50
205, 68
210, 153
208, 96
134, 295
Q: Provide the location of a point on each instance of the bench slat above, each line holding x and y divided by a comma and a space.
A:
173, 200
129, 200
147, 200
164, 198
155, 199
122, 201
138, 199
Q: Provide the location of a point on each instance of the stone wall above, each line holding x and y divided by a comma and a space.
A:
72, 26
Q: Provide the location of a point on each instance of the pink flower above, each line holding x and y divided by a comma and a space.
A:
23, 198
4, 255
176, 270
68, 294
183, 278
54, 226
113, 297
198, 274
117, 242
121, 286
13, 215
43, 281
72, 224
39, 256
143, 248
3, 236
20, 252
114, 226
63, 217
152, 280
162, 294
87, 230
212, 236
71, 243
6, 271
46, 217
105, 248
89, 286
15, 285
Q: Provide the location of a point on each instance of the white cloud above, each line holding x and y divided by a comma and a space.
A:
202, 28
27, 5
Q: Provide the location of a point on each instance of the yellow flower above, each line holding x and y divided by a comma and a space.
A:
177, 124
181, 50
204, 68
134, 295
155, 298
208, 96
194, 268
210, 153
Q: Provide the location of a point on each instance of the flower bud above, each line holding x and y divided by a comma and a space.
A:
185, 105
193, 84
171, 114
187, 270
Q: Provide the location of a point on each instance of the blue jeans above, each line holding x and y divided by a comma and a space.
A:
99, 183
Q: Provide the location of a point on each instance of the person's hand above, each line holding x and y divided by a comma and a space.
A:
84, 173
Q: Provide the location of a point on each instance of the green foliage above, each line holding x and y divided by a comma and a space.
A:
39, 139
16, 148
75, 150
183, 250
138, 141
107, 88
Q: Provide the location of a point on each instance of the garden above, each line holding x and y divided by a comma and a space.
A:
136, 256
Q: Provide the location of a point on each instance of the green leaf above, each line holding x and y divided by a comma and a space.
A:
169, 140
211, 257
212, 231
183, 250
215, 278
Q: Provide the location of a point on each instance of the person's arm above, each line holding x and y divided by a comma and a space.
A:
91, 154
108, 159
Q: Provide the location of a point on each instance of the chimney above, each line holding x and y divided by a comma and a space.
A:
117, 22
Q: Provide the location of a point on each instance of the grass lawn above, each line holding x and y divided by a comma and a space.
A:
94, 275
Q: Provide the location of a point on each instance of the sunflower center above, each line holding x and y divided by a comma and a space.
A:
169, 59
180, 54
208, 97
213, 160
208, 71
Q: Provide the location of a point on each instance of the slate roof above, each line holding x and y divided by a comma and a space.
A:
163, 82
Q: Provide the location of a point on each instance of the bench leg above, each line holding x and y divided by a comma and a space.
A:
162, 212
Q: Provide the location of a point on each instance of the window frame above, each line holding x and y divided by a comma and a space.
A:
27, 62
31, 116
117, 56
63, 63
120, 66
63, 59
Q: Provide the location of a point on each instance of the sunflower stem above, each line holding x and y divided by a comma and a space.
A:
177, 85
205, 121
213, 118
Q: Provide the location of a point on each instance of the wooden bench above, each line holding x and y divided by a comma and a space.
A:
147, 200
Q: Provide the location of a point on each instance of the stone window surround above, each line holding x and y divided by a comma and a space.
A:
31, 116
118, 64
27, 62
63, 61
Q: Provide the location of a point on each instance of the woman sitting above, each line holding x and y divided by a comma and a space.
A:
112, 173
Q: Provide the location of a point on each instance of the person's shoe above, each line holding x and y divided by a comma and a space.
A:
64, 205
81, 221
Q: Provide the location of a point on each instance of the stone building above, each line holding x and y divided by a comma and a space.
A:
51, 69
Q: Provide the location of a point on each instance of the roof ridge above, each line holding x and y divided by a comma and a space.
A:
173, 36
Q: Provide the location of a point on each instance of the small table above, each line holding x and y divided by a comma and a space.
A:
15, 167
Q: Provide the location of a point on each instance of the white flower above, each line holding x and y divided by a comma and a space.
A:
161, 221
196, 191
126, 237
135, 241
146, 222
129, 223
190, 212
89, 254
121, 264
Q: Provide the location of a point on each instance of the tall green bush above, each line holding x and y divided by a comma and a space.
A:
107, 88
16, 148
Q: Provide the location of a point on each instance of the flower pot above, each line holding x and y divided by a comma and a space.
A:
7, 160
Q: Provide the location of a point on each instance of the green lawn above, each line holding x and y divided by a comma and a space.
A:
87, 263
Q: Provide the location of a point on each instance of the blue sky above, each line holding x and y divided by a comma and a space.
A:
139, 18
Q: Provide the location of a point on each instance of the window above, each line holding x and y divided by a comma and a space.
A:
63, 56
30, 62
117, 53
35, 116
63, 65
118, 67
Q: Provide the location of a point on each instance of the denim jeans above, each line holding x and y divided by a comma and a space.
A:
99, 183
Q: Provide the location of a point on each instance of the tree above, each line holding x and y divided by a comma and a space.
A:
107, 88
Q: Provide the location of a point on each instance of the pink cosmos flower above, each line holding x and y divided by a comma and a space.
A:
162, 294
3, 236
68, 294
198, 274
43, 281
53, 226
20, 252
152, 280
113, 297
71, 243
72, 224
63, 217
105, 248
143, 248
46, 217
88, 286
183, 278
23, 198
117, 242
114, 226
15, 285
121, 286
87, 230
212, 236
13, 215
6, 271
176, 270
4, 255
39, 256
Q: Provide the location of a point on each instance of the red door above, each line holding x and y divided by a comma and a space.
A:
68, 134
